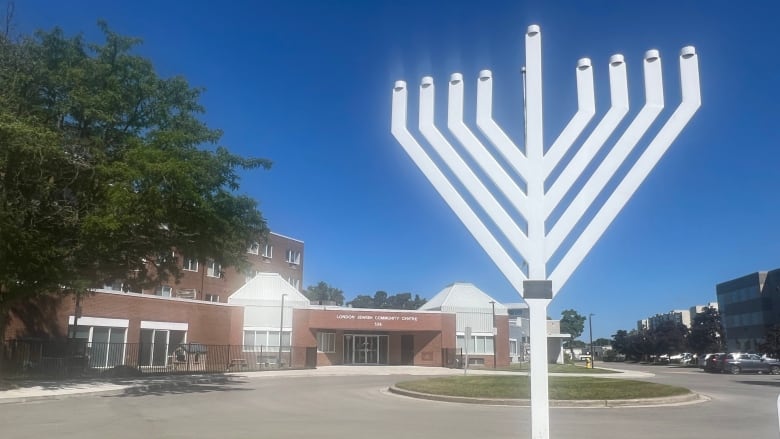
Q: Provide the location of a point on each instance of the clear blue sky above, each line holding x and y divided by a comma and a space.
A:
308, 85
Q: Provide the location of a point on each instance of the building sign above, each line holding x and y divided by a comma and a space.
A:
377, 320
374, 319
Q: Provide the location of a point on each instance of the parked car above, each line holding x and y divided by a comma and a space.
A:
684, 359
740, 362
712, 362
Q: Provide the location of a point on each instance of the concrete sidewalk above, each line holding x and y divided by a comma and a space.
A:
31, 390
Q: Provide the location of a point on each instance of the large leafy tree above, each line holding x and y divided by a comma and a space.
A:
322, 292
104, 168
707, 333
382, 300
771, 344
636, 345
669, 338
621, 342
572, 323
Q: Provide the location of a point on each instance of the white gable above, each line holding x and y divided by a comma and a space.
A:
463, 297
262, 301
267, 289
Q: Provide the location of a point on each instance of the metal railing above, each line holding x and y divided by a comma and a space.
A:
78, 358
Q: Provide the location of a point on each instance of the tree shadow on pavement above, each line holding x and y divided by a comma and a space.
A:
148, 381
177, 389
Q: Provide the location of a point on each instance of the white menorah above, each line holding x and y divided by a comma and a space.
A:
535, 204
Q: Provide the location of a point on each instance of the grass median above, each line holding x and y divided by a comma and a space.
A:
560, 388
560, 368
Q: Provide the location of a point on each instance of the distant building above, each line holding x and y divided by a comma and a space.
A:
519, 335
485, 317
681, 316
749, 305
698, 309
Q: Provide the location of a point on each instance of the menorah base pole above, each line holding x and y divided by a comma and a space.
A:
540, 402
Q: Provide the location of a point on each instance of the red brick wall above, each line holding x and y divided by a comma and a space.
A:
207, 323
232, 279
431, 331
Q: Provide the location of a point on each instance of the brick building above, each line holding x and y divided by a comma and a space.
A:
208, 280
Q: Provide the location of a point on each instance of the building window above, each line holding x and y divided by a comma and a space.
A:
164, 291
293, 257
296, 283
157, 346
254, 248
166, 257
213, 269
479, 344
212, 298
250, 274
326, 342
102, 346
114, 286
268, 251
266, 340
186, 293
512, 347
190, 264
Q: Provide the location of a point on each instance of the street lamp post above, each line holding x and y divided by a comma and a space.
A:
590, 328
493, 304
281, 328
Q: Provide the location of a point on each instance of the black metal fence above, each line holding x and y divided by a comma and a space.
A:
452, 357
74, 358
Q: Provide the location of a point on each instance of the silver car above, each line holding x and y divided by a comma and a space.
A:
740, 362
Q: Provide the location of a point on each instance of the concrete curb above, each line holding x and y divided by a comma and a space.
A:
689, 398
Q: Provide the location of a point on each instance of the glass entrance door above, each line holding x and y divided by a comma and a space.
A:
365, 349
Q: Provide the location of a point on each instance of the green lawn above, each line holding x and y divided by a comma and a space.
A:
561, 388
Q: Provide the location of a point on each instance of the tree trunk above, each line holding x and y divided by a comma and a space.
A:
3, 325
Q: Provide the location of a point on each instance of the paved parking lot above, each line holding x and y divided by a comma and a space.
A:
353, 406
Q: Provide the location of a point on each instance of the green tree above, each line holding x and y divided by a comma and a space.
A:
572, 323
669, 338
602, 342
104, 168
771, 344
621, 342
362, 301
706, 332
382, 300
323, 293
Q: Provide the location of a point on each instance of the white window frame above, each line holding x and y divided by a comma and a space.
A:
187, 264
211, 297
460, 339
164, 291
513, 347
268, 251
264, 335
213, 269
293, 257
326, 342
102, 322
254, 249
